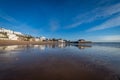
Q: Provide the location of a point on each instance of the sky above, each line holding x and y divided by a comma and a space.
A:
95, 20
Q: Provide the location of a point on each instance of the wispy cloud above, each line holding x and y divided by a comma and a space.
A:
8, 18
111, 10
76, 24
114, 22
96, 14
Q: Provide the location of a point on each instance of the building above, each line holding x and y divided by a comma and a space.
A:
37, 39
42, 38
12, 36
5, 30
3, 36
6, 34
10, 31
81, 40
60, 40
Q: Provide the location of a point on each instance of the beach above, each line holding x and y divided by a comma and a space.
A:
59, 62
16, 42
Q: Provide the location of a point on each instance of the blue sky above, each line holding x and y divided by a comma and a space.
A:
96, 20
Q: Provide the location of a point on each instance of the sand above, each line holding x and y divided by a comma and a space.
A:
14, 42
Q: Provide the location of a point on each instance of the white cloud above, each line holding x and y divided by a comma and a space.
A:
100, 12
108, 11
5, 16
114, 22
74, 25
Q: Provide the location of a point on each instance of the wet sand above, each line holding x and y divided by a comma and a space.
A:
57, 68
14, 42
57, 64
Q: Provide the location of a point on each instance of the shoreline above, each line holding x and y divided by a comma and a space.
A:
14, 42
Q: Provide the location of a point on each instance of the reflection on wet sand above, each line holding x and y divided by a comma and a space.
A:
53, 62
41, 47
84, 46
8, 48
12, 47
9, 53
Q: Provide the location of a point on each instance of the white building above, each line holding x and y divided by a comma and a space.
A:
12, 36
3, 37
42, 38
60, 40
10, 31
5, 30
37, 39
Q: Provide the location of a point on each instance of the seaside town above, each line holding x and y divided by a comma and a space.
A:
10, 35
7, 34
